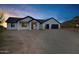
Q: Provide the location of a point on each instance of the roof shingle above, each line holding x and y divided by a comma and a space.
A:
13, 19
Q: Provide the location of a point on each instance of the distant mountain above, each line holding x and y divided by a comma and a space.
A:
73, 23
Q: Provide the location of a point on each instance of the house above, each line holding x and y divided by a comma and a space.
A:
29, 23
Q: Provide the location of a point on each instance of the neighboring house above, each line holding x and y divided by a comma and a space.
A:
29, 23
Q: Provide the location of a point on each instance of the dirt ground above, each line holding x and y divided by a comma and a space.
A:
41, 42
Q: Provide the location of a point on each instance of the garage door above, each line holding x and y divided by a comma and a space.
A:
54, 26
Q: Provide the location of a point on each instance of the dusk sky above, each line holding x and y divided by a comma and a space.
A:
42, 11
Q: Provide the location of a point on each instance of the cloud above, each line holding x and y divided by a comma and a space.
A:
26, 10
22, 11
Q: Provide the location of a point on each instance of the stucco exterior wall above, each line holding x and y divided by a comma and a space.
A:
11, 28
19, 27
26, 19
50, 22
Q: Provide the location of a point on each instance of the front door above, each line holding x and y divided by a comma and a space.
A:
34, 25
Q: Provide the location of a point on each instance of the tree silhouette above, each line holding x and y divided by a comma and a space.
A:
2, 17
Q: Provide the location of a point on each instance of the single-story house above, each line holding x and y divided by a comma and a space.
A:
29, 23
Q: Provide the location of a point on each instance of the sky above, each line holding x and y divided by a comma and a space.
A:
61, 12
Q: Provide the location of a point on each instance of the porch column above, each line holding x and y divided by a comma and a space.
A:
30, 26
18, 26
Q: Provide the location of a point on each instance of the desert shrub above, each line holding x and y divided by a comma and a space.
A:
1, 37
2, 29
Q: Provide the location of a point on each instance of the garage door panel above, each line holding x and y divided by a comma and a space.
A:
54, 26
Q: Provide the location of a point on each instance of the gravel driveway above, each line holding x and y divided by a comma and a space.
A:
41, 41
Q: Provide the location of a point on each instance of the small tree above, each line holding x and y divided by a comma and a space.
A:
1, 18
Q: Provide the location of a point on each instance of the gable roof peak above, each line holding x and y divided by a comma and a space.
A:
53, 19
29, 17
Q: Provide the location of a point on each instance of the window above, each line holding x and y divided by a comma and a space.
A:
24, 24
12, 24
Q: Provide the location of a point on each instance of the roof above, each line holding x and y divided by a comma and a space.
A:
13, 19
41, 21
38, 20
16, 19
28, 17
53, 19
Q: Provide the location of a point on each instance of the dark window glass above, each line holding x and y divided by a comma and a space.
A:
54, 26
24, 24
12, 24
47, 26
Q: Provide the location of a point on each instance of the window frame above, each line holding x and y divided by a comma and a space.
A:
23, 23
12, 25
